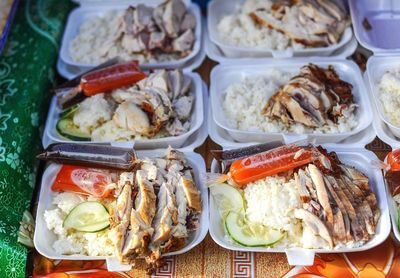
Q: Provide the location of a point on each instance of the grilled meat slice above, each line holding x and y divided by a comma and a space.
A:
311, 23
137, 239
172, 17
315, 224
145, 203
120, 219
322, 193
313, 98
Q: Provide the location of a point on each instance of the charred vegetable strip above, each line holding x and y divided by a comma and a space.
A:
90, 155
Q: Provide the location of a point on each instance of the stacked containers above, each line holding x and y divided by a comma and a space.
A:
238, 63
146, 148
374, 25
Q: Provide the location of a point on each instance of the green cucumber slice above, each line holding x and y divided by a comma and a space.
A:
242, 233
68, 113
227, 198
87, 217
67, 128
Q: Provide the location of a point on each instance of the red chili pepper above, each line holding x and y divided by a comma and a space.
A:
83, 180
113, 77
393, 160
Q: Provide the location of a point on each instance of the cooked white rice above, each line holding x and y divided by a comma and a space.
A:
389, 95
244, 101
239, 29
271, 202
94, 43
91, 244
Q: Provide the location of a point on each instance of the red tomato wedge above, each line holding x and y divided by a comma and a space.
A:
393, 160
83, 180
113, 77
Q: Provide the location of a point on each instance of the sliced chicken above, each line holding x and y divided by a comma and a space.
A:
172, 17
188, 22
183, 107
177, 81
129, 116
305, 21
138, 238
145, 203
184, 42
311, 98
315, 224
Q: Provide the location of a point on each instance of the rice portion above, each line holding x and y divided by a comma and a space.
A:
243, 104
91, 244
271, 202
239, 29
389, 95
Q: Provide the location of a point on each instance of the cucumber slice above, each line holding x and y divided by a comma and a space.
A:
87, 217
243, 234
67, 128
227, 198
68, 113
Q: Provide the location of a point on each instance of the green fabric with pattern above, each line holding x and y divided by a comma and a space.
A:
27, 72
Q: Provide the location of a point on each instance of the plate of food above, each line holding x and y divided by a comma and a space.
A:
101, 202
288, 101
166, 34
122, 104
298, 200
279, 29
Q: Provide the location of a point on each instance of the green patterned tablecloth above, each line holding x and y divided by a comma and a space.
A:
27, 72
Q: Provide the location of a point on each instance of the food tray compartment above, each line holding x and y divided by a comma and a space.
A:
44, 238
376, 68
215, 53
51, 135
384, 17
81, 14
217, 9
69, 71
222, 137
359, 158
224, 75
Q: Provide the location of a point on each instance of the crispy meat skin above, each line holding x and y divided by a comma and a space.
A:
341, 199
313, 98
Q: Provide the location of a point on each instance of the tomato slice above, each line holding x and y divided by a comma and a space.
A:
394, 160
83, 180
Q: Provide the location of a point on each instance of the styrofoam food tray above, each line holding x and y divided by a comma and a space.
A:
221, 137
376, 68
359, 158
69, 71
44, 238
384, 17
215, 53
52, 136
392, 210
217, 9
223, 76
83, 13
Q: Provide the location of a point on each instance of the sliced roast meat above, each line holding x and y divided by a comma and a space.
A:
184, 42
